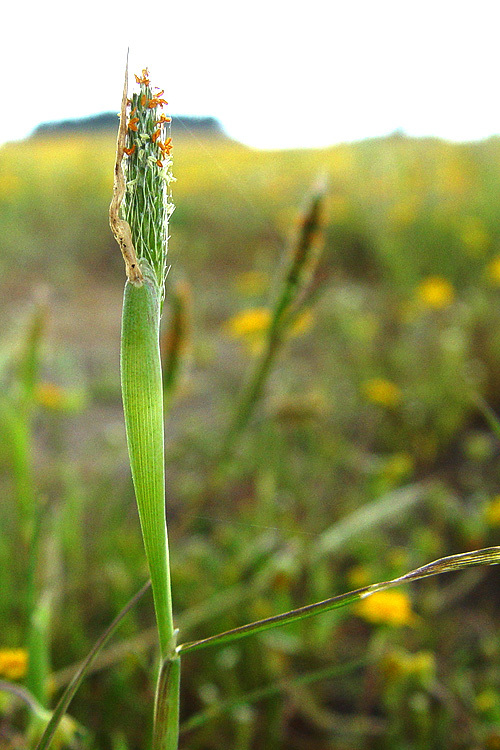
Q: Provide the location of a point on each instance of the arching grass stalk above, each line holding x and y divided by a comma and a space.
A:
450, 564
301, 263
143, 186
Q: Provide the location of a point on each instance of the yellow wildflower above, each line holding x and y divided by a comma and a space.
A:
249, 322
397, 467
486, 700
451, 178
359, 575
302, 323
251, 283
399, 663
54, 398
404, 212
493, 512
389, 607
13, 663
435, 292
51, 396
493, 271
382, 392
474, 235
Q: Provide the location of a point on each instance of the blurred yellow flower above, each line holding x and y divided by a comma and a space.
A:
388, 607
404, 212
51, 396
302, 323
54, 398
397, 557
487, 700
398, 663
359, 575
382, 392
435, 292
13, 663
492, 511
451, 177
493, 271
251, 282
249, 322
397, 467
251, 325
474, 235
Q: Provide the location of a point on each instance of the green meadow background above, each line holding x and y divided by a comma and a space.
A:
372, 451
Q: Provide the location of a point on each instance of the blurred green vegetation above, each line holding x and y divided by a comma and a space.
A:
371, 411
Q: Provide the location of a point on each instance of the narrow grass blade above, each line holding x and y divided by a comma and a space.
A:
487, 556
368, 516
75, 683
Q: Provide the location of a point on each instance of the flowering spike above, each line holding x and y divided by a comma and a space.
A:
148, 174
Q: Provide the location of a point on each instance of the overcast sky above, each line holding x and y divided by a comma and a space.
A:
277, 74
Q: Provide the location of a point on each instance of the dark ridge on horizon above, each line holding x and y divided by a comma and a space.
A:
107, 122
186, 126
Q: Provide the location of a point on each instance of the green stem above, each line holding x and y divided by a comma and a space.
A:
143, 407
166, 721
252, 392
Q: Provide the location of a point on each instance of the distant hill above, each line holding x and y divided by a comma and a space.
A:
107, 122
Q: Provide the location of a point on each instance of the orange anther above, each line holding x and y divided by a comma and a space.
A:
155, 102
129, 151
166, 147
144, 79
156, 135
133, 124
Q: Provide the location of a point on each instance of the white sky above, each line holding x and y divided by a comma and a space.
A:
276, 73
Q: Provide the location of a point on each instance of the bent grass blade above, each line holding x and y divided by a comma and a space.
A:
487, 556
77, 680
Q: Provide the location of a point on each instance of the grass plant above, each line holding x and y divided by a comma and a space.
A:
359, 475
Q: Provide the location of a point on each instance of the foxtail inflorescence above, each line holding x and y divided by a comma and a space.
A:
142, 203
148, 170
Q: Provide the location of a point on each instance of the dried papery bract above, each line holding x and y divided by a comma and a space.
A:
119, 226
